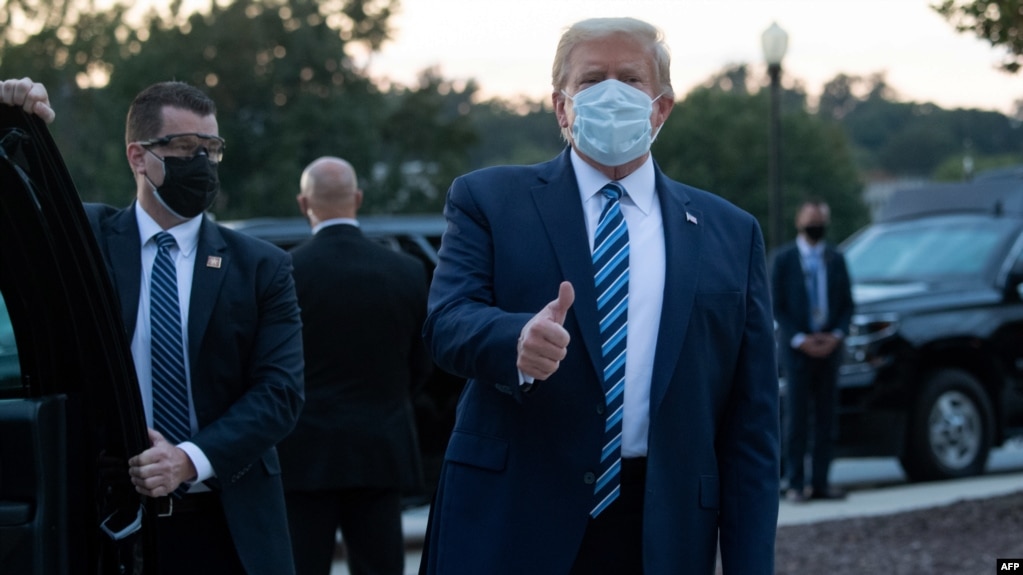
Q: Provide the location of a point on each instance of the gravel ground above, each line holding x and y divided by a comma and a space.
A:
964, 538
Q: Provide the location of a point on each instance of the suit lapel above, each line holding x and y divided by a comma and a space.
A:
682, 244
211, 264
557, 201
124, 253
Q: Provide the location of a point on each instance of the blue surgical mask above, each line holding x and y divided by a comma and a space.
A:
612, 122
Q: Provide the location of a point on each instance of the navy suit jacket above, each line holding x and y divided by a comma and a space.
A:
363, 307
517, 483
792, 303
245, 355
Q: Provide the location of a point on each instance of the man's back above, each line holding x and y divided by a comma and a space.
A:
363, 307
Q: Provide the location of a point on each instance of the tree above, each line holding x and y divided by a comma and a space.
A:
286, 90
426, 136
523, 132
1000, 22
716, 139
838, 97
914, 139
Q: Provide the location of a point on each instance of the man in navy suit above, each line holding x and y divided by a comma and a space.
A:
354, 451
218, 489
813, 306
549, 470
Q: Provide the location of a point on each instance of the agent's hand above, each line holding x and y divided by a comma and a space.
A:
29, 95
543, 342
819, 345
159, 470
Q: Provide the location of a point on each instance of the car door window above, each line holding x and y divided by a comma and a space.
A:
10, 370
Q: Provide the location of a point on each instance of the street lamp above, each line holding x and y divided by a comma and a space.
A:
775, 42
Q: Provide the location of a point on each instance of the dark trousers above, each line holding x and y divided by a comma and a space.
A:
370, 523
809, 419
197, 541
613, 542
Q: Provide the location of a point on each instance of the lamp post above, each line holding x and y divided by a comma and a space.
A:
775, 42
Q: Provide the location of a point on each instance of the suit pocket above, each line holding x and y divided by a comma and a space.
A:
488, 453
710, 492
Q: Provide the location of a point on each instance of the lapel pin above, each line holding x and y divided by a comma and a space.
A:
213, 262
691, 218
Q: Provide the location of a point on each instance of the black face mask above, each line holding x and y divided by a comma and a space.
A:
815, 233
189, 185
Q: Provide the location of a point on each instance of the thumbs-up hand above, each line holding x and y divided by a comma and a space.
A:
543, 342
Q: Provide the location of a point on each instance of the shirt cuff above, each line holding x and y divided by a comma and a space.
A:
525, 382
203, 467
797, 340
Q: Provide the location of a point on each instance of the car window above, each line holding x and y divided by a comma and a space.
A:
933, 249
10, 368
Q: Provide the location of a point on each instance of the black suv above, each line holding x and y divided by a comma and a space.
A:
934, 370
418, 235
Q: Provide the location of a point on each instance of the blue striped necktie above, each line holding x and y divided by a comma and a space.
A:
611, 276
170, 389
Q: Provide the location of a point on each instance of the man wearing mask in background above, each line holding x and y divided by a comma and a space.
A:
813, 307
215, 334
621, 413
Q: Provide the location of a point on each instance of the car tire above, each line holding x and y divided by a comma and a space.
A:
950, 428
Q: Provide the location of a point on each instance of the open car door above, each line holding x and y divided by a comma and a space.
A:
70, 410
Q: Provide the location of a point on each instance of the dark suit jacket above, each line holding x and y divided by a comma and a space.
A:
792, 303
245, 355
517, 484
363, 307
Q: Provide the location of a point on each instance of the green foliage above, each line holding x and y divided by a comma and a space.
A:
287, 92
427, 134
284, 90
908, 138
717, 140
1000, 22
514, 133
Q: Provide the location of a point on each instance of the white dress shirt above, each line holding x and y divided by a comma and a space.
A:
642, 212
186, 236
334, 222
807, 253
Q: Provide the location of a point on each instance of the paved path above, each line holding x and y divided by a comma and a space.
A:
876, 487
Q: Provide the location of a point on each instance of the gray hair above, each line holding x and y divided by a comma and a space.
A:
594, 28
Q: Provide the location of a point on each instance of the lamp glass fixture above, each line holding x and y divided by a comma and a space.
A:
775, 43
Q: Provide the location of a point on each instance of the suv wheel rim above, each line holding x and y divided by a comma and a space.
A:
955, 430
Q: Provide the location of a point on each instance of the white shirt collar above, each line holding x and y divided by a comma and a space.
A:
334, 222
639, 185
185, 234
806, 250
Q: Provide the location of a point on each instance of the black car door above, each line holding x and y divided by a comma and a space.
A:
70, 410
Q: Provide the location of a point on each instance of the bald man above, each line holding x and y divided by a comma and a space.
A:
354, 450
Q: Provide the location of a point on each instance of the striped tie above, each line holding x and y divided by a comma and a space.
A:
170, 392
611, 275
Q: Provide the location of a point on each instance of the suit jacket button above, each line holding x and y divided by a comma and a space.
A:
600, 409
589, 478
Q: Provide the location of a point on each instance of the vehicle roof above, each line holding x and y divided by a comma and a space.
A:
998, 196
295, 229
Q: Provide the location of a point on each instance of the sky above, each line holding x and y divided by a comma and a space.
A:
507, 46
